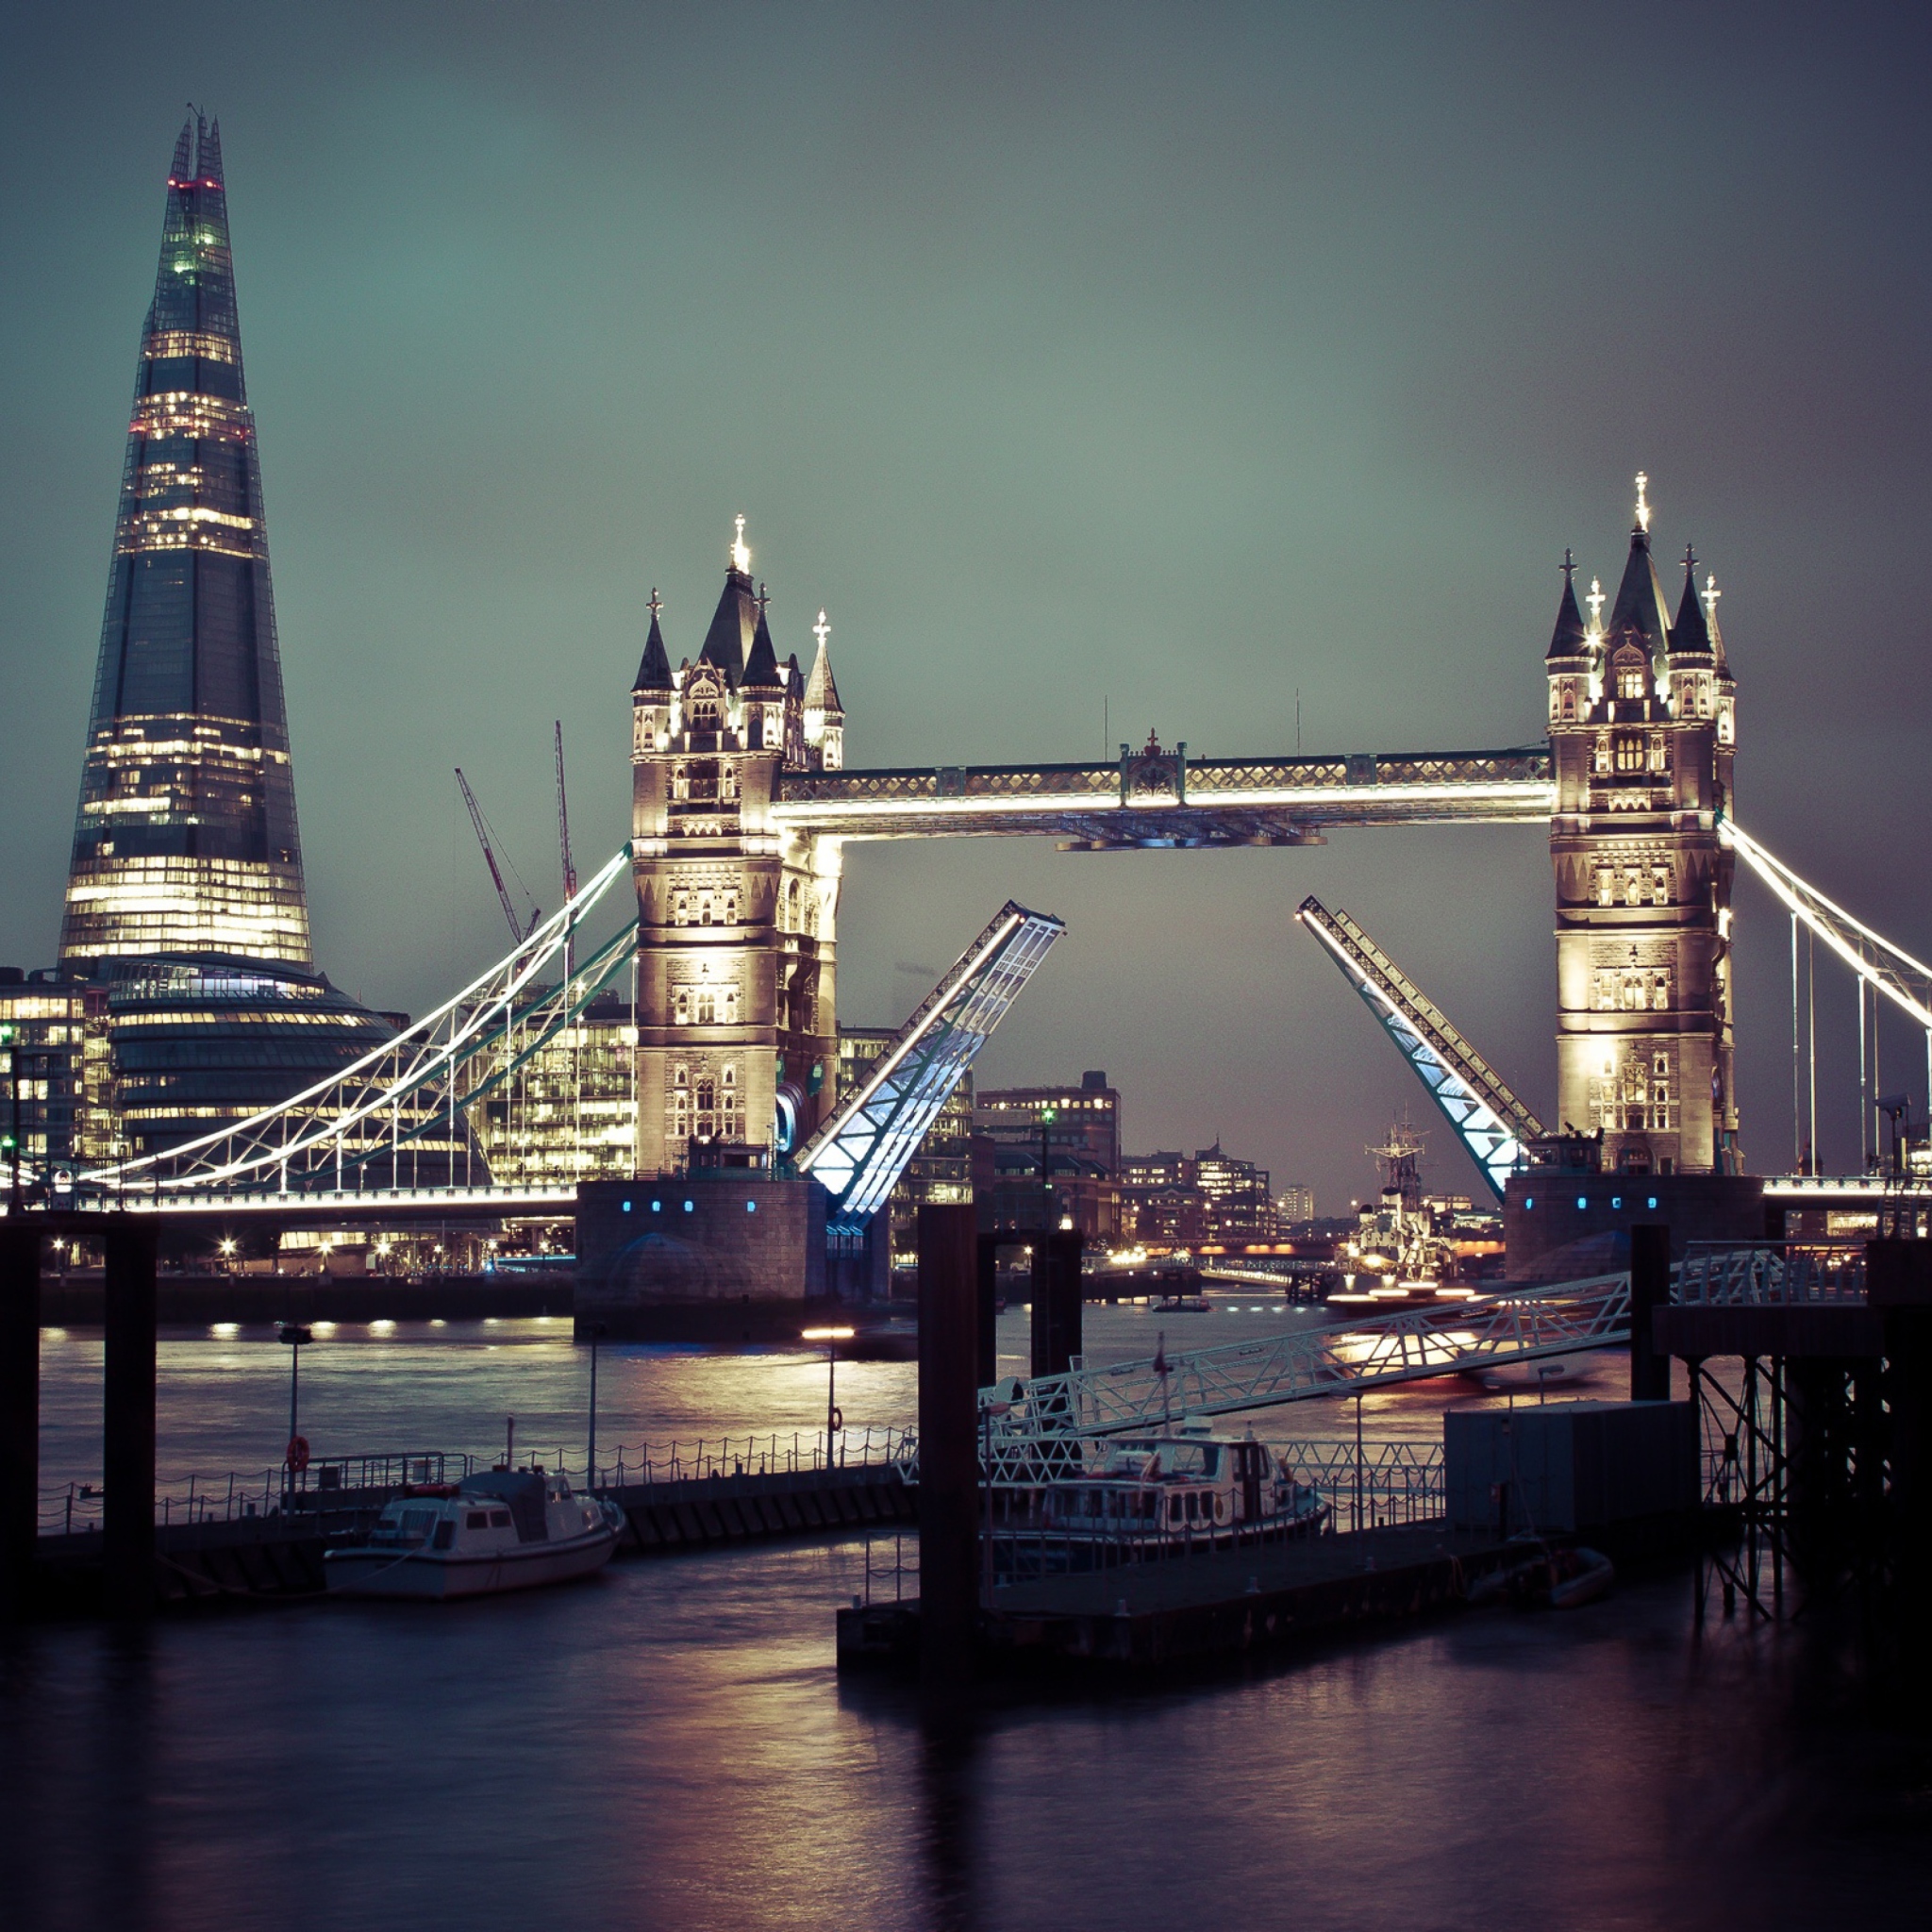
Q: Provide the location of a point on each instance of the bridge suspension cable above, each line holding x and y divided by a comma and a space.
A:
1891, 972
411, 1093
1903, 980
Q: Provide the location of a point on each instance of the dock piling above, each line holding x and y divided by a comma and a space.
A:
1056, 1306
127, 1526
948, 1444
20, 1411
1650, 1288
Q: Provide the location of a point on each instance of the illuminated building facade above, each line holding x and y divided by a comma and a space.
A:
940, 1173
1209, 1199
1293, 1206
55, 1062
186, 841
738, 1040
571, 1111
199, 1042
1083, 1119
1643, 715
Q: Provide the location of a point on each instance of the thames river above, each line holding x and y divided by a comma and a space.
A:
670, 1745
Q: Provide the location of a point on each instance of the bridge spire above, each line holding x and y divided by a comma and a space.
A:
1690, 635
654, 673
1568, 639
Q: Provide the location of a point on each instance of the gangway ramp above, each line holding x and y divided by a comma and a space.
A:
1344, 1358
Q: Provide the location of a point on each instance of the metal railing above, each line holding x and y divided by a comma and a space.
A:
331, 1482
360, 1482
1768, 1275
770, 1454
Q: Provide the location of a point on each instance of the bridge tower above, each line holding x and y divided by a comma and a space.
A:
1644, 729
738, 1046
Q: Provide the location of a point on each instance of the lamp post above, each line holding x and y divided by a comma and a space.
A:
835, 1423
291, 1335
1047, 1115
597, 1331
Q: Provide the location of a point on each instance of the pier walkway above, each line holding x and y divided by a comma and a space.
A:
1145, 1615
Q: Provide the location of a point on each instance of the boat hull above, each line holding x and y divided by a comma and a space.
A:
442, 1576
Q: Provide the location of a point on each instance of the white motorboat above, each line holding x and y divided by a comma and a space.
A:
500, 1530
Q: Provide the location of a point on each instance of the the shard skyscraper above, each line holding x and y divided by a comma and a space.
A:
186, 841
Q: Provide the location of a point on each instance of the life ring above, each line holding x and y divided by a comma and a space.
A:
838, 1421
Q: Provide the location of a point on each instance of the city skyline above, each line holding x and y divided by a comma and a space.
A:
1311, 492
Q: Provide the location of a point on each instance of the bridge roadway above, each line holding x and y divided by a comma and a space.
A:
1162, 798
557, 1201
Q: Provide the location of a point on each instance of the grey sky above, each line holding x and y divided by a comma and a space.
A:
1176, 358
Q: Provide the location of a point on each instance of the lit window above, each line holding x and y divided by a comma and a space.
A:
1630, 680
1628, 750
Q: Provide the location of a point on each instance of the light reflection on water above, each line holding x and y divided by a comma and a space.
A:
668, 1747
222, 1395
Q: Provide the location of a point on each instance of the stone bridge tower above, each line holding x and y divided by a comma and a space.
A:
738, 1046
1642, 731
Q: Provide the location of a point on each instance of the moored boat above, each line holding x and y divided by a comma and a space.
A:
498, 1530
1194, 1487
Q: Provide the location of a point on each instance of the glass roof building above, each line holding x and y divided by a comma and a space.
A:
186, 839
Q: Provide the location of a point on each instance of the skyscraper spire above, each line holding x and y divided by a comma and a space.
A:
186, 838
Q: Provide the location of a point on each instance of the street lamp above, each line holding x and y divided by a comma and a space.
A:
835, 1423
292, 1336
597, 1332
1047, 1116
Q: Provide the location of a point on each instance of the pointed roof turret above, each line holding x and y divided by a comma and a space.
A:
1641, 609
1690, 635
654, 673
1567, 639
734, 622
1712, 593
821, 692
761, 666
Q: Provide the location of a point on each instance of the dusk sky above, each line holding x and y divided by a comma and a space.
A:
1147, 365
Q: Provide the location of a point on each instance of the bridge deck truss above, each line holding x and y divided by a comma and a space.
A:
1164, 799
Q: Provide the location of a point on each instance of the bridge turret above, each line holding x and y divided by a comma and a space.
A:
736, 915
824, 717
652, 696
1570, 661
1642, 737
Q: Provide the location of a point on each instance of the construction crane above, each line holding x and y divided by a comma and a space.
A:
1489, 1120
569, 868
518, 930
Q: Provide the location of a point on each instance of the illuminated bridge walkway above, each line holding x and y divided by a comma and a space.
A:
1353, 1357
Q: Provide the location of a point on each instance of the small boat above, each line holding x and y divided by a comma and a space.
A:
1183, 1305
1547, 1578
500, 1530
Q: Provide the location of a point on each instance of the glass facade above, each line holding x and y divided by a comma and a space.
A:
198, 1043
568, 1112
186, 839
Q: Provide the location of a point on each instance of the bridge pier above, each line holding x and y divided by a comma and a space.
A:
20, 1410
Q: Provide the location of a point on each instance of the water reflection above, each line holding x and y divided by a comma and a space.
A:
668, 1747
